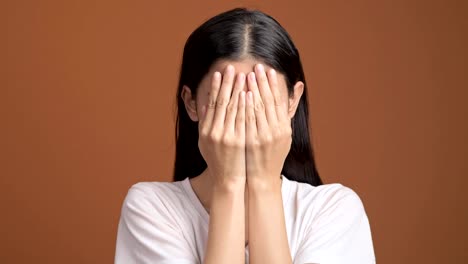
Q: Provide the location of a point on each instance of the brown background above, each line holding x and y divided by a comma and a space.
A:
87, 100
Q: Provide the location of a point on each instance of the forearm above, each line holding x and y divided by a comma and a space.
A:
268, 241
226, 235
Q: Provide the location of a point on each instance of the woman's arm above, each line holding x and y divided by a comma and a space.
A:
226, 235
268, 140
268, 241
222, 144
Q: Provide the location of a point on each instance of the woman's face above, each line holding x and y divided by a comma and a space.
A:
245, 66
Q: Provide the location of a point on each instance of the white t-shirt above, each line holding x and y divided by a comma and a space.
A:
165, 222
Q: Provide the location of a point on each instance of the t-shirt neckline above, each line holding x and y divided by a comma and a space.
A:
285, 194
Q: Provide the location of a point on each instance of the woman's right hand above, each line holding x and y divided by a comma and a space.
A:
222, 128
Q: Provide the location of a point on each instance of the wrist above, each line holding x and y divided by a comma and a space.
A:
267, 184
230, 178
230, 184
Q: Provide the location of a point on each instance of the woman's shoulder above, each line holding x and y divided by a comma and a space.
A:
332, 224
324, 191
156, 188
165, 198
326, 198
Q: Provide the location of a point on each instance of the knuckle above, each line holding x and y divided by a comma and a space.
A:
231, 141
251, 118
252, 142
268, 138
264, 141
213, 137
259, 107
277, 101
222, 102
226, 140
203, 135
256, 143
211, 103
231, 108
278, 134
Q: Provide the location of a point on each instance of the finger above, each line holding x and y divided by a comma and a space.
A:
201, 115
231, 110
240, 117
210, 108
223, 98
251, 126
259, 107
281, 107
267, 96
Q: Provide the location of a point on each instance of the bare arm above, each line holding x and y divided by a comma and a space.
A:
268, 140
222, 144
267, 229
226, 234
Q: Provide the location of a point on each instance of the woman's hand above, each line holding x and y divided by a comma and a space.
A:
268, 128
268, 140
222, 144
222, 129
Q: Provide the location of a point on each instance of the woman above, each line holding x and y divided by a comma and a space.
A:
246, 188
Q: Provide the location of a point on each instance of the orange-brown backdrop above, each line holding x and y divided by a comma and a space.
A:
87, 105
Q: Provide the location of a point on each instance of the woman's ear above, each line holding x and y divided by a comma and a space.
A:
296, 97
190, 103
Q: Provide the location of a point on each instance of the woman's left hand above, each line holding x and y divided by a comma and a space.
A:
268, 128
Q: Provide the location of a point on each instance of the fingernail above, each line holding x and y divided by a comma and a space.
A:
252, 76
260, 67
230, 68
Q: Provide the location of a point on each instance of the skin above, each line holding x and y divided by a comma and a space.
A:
244, 114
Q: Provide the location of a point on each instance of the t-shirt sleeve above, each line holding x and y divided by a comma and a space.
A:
339, 233
145, 233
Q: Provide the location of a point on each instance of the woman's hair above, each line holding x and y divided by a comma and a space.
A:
235, 35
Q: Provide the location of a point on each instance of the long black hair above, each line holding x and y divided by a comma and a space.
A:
234, 35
